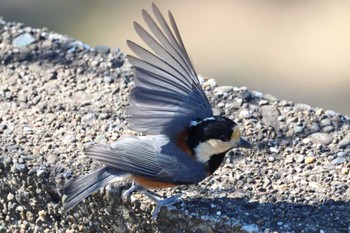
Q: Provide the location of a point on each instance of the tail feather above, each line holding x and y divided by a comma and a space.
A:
78, 189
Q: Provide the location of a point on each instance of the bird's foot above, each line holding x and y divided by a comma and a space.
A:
153, 196
166, 202
161, 202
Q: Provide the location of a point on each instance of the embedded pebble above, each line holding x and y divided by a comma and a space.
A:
328, 129
330, 113
270, 97
21, 167
342, 154
245, 114
221, 105
210, 82
316, 186
320, 138
344, 142
263, 102
270, 116
10, 197
89, 117
70, 139
309, 160
314, 127
298, 129
102, 49
325, 122
81, 87
250, 228
344, 171
23, 40
301, 107
274, 150
52, 158
257, 94
108, 79
338, 160
224, 89
101, 139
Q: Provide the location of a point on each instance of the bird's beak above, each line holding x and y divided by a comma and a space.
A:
244, 143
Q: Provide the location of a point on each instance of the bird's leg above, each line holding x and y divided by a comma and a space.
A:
160, 202
134, 187
153, 196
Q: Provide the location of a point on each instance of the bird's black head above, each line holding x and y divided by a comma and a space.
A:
217, 127
212, 136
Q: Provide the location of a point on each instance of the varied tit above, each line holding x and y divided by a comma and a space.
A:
185, 143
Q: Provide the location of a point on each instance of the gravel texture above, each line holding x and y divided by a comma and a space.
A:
58, 95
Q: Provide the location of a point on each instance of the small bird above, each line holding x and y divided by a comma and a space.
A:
184, 142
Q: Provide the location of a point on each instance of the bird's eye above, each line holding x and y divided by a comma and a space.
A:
224, 138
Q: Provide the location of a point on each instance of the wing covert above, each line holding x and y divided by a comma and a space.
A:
153, 157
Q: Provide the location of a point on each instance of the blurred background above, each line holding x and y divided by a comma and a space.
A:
294, 50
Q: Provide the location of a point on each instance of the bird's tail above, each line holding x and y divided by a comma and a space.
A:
78, 189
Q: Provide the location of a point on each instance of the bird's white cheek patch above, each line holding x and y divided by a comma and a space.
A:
211, 147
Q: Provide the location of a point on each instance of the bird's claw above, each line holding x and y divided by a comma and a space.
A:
166, 202
153, 196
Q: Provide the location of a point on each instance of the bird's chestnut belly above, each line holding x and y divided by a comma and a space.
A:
151, 184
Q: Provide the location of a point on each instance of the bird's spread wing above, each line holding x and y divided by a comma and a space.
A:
149, 156
167, 93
